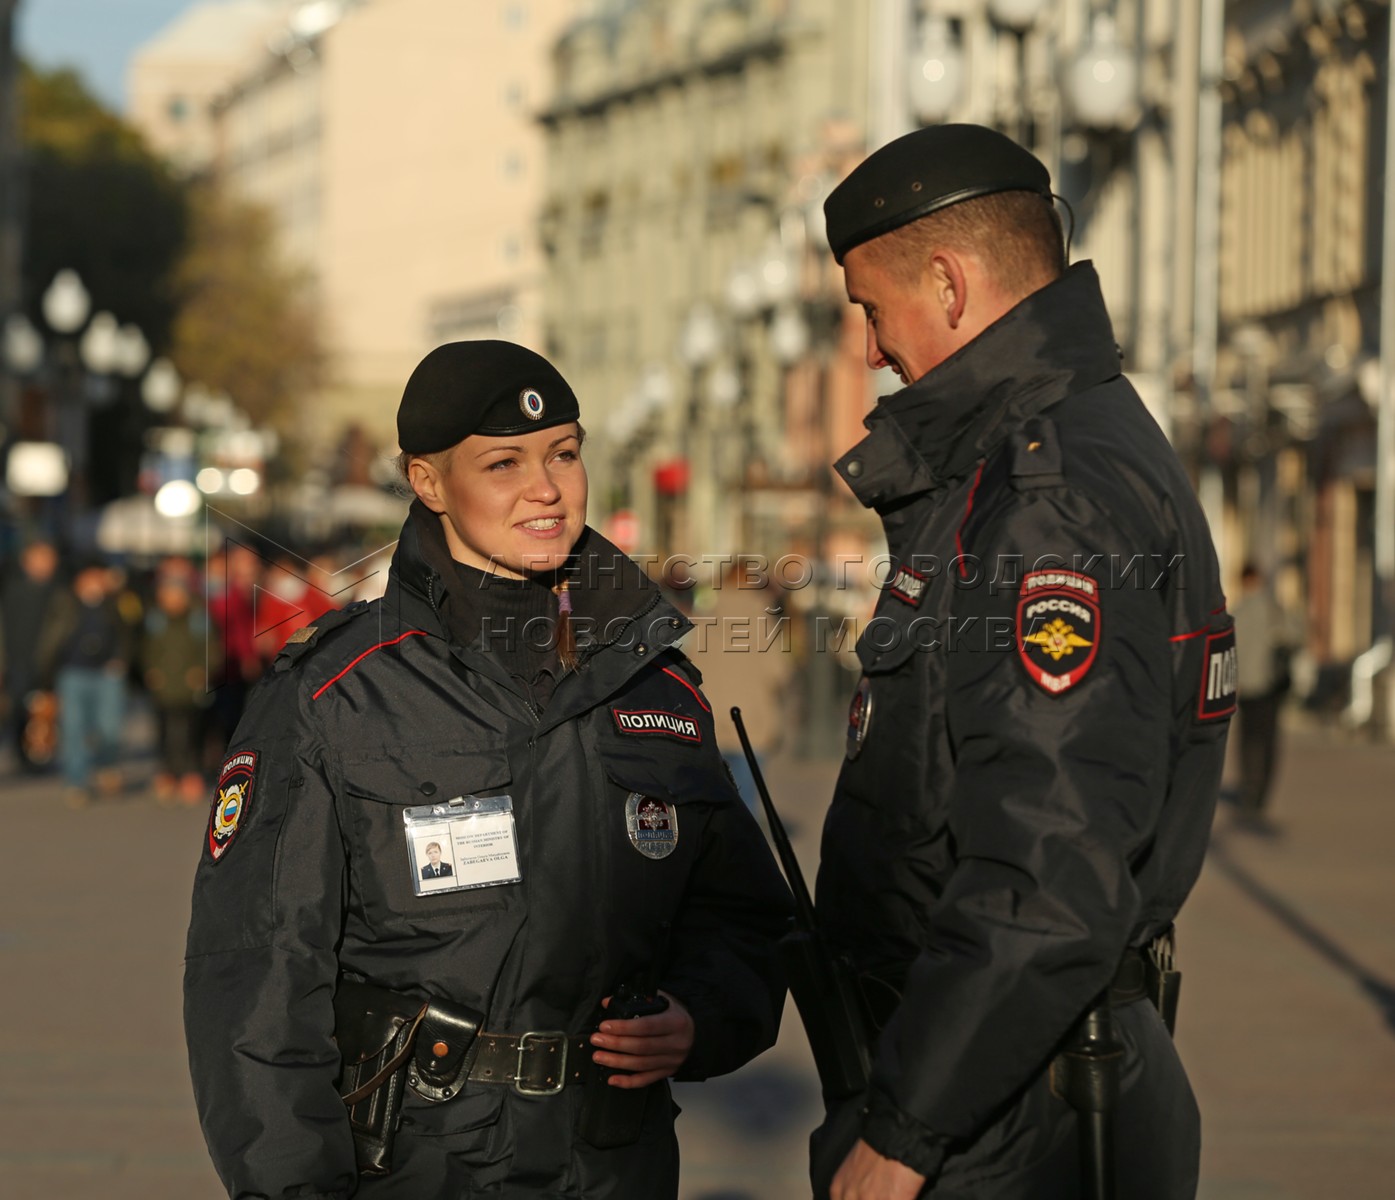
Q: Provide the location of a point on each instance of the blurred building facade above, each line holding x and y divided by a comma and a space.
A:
175, 79
1298, 382
635, 187
690, 146
690, 297
395, 143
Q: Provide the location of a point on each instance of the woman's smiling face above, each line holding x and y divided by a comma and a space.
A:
513, 505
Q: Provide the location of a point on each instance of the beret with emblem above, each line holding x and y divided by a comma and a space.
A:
922, 172
493, 388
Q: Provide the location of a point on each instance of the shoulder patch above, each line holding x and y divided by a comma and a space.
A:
233, 803
1058, 628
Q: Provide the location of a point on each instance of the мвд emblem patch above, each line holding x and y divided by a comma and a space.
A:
1058, 628
234, 800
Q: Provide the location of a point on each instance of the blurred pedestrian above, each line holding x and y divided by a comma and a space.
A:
1265, 640
177, 644
85, 650
1034, 750
231, 582
293, 595
741, 645
24, 601
281, 604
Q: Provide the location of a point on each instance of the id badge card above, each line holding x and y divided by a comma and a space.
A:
468, 842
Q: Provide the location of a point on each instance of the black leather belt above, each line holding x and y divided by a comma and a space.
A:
535, 1063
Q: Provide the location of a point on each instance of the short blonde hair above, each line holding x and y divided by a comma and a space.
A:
1017, 236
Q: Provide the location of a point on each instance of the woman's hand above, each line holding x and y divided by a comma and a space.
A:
651, 1048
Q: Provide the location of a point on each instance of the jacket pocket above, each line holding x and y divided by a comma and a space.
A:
383, 861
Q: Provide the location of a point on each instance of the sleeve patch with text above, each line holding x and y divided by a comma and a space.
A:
1219, 677
654, 722
1058, 628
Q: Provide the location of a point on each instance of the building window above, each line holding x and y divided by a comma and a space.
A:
512, 165
513, 96
595, 212
511, 247
178, 109
515, 16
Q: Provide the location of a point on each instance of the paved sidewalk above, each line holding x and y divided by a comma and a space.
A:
1287, 1025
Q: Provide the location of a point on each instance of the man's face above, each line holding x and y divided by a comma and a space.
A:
907, 328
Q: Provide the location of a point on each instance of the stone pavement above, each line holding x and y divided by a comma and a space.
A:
1287, 1025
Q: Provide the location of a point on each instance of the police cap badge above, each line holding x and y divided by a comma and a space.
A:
488, 387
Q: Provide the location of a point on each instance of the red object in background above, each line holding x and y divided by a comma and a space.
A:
671, 477
623, 530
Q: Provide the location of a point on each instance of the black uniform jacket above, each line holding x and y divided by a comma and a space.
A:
1035, 750
379, 711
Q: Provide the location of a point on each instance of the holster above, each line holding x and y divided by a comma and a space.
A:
388, 1041
1164, 980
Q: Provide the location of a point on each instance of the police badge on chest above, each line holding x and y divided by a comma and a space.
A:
652, 825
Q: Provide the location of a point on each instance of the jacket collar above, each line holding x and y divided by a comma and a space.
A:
1056, 342
617, 610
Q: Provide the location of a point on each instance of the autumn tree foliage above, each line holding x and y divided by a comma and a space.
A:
97, 200
247, 320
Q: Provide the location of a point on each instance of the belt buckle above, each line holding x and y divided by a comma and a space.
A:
525, 1041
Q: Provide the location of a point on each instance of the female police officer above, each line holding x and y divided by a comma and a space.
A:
595, 838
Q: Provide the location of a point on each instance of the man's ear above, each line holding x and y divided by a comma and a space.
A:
950, 285
425, 481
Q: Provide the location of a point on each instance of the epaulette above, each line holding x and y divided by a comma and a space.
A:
302, 641
686, 665
1035, 455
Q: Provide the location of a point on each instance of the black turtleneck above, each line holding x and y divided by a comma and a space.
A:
512, 619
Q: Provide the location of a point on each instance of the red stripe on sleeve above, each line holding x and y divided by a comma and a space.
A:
959, 533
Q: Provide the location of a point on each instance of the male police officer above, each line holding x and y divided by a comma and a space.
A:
1034, 750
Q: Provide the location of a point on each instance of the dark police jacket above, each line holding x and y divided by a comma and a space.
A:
1035, 750
378, 711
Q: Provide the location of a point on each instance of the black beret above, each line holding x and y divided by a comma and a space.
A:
923, 171
492, 388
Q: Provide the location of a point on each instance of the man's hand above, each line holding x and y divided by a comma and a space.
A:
653, 1048
866, 1175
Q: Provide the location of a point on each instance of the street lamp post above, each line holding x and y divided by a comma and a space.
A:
66, 305
937, 72
96, 366
1019, 17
